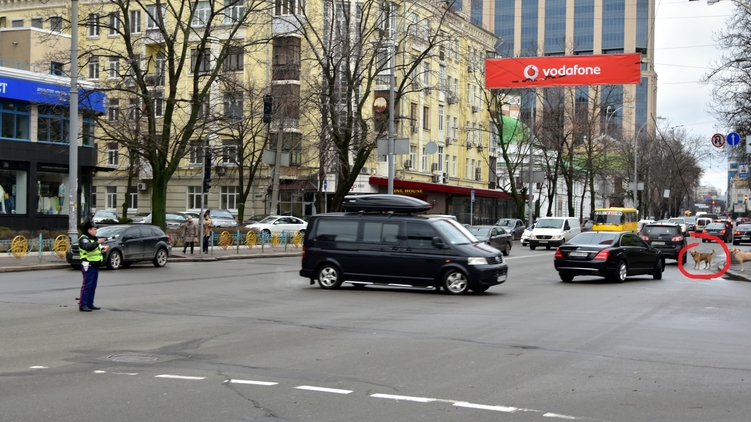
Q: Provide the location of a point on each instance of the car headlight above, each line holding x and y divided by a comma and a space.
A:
556, 237
477, 260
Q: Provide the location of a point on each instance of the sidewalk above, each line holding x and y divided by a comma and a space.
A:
49, 261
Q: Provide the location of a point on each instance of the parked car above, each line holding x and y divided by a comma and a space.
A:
221, 218
254, 219
129, 244
553, 231
613, 255
140, 217
720, 230
278, 224
742, 234
173, 220
105, 216
525, 236
494, 236
666, 237
680, 221
514, 226
382, 239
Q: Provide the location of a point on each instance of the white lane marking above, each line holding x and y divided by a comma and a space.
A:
486, 407
322, 389
38, 367
125, 373
100, 372
252, 382
555, 415
178, 377
406, 398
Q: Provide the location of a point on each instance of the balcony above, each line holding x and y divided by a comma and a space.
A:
287, 24
286, 72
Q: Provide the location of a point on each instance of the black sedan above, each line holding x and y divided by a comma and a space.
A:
613, 255
129, 244
720, 230
494, 236
742, 234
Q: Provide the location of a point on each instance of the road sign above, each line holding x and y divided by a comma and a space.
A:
718, 140
733, 139
473, 195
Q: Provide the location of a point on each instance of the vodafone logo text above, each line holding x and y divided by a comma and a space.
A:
604, 69
531, 71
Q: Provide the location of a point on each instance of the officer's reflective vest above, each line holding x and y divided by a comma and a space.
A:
92, 256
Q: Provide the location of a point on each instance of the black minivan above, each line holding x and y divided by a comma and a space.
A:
382, 239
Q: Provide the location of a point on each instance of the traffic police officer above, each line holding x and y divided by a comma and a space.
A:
90, 249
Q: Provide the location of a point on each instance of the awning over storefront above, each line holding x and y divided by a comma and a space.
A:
410, 187
49, 92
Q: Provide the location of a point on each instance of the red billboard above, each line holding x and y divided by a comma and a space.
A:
530, 72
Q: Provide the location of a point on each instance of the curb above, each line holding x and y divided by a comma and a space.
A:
172, 260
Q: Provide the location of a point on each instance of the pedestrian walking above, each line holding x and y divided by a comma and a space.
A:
207, 226
91, 252
189, 232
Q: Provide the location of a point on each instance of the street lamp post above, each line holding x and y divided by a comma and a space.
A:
636, 177
73, 129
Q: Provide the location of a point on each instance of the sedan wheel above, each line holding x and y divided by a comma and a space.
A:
657, 272
619, 276
160, 259
455, 282
507, 249
566, 278
115, 260
328, 277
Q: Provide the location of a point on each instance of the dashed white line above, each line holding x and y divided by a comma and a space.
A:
406, 398
179, 377
323, 389
38, 367
267, 383
486, 407
555, 415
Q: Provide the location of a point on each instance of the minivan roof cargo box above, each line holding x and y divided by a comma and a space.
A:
384, 203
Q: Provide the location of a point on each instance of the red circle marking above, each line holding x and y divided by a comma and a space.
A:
704, 276
718, 140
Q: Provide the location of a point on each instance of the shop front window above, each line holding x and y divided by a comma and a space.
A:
14, 120
53, 125
13, 191
51, 193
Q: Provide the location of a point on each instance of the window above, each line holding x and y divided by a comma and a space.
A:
14, 120
466, 168
37, 23
204, 111
94, 68
200, 60
112, 154
194, 198
56, 68
135, 22
234, 60
288, 7
440, 158
423, 160
158, 96
13, 186
440, 122
155, 16
133, 198
230, 151
51, 193
235, 11
426, 117
110, 197
233, 105
426, 75
202, 13
380, 233
195, 156
413, 156
17, 23
134, 109
329, 230
113, 67
453, 166
113, 111
56, 24
114, 23
228, 197
420, 235
52, 125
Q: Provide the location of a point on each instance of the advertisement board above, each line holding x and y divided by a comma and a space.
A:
529, 72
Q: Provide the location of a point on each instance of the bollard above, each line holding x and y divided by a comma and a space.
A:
40, 248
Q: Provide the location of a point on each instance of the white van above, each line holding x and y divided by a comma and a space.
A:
554, 231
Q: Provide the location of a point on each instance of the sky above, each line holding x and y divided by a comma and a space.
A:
685, 49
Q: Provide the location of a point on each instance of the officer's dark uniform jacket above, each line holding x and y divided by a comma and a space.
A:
90, 250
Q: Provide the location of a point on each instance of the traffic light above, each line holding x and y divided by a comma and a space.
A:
267, 108
207, 172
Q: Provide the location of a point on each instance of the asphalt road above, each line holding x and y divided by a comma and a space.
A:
250, 340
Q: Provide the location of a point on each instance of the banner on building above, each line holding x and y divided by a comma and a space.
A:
529, 72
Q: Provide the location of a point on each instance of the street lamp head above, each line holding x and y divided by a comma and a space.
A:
380, 104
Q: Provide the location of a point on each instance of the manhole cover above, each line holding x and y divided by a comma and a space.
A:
133, 358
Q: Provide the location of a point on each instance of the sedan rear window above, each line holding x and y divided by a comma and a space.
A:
594, 238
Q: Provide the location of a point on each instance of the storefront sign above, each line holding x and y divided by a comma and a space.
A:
46, 93
405, 191
528, 72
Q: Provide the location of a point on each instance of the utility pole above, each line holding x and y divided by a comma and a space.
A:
73, 130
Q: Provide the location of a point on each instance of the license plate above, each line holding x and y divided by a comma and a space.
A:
501, 278
543, 241
745, 238
578, 254
659, 243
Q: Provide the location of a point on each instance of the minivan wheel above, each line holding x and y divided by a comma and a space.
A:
531, 248
328, 277
160, 259
455, 282
115, 260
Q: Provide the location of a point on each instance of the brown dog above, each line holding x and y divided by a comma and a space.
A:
702, 257
740, 256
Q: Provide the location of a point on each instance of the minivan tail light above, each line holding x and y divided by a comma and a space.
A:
558, 254
169, 239
602, 255
677, 239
